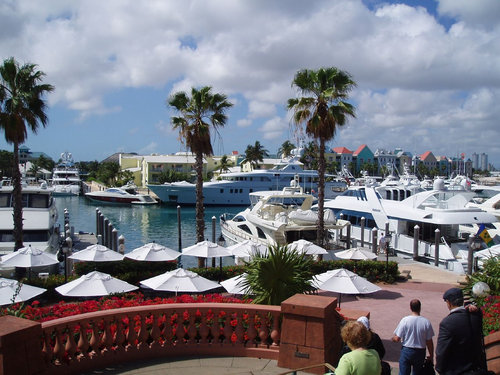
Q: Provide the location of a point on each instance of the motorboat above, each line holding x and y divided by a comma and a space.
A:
125, 195
487, 198
403, 209
66, 177
40, 227
234, 188
276, 217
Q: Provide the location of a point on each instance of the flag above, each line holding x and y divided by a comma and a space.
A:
483, 233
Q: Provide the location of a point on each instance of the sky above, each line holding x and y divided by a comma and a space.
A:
427, 72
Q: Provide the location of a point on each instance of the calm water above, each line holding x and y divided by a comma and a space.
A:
142, 224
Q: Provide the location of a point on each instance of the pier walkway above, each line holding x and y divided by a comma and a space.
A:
386, 308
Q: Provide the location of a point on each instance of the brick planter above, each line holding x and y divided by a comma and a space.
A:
492, 345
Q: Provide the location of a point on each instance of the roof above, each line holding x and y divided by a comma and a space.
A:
425, 155
181, 159
360, 148
342, 150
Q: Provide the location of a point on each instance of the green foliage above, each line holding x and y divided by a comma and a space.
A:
490, 274
6, 160
171, 176
127, 270
214, 273
108, 173
278, 275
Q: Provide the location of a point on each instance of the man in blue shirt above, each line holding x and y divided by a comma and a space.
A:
415, 334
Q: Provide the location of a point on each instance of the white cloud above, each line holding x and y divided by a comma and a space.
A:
416, 78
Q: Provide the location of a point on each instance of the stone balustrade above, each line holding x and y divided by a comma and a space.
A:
95, 340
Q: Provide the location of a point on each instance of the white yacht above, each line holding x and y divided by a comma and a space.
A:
40, 228
126, 195
276, 217
66, 177
398, 206
233, 188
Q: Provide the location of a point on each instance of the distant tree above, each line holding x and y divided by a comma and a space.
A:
332, 167
310, 156
22, 108
199, 114
321, 108
35, 169
255, 154
170, 175
422, 170
384, 170
6, 162
45, 163
89, 168
225, 163
108, 173
286, 149
124, 177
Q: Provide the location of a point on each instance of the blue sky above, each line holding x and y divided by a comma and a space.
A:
427, 72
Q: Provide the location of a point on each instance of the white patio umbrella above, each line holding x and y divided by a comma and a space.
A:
307, 247
97, 253
9, 289
247, 248
28, 257
356, 253
206, 249
235, 285
93, 284
179, 280
343, 281
153, 252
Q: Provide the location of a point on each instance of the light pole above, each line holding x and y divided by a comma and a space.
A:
475, 243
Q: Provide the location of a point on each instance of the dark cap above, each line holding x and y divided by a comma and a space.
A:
453, 294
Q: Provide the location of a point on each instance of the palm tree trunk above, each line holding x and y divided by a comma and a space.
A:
321, 193
200, 210
17, 203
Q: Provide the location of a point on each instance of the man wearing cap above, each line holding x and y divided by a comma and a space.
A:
460, 341
415, 334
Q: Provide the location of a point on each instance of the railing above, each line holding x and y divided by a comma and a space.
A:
94, 340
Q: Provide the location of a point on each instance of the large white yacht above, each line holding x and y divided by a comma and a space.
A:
403, 209
66, 177
40, 228
126, 195
233, 188
276, 217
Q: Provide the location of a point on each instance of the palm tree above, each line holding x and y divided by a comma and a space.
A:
225, 163
278, 275
254, 154
35, 170
286, 148
21, 108
322, 108
198, 115
310, 156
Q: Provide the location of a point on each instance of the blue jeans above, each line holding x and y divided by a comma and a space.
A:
411, 357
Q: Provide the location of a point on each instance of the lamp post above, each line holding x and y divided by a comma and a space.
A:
387, 245
64, 249
475, 243
221, 242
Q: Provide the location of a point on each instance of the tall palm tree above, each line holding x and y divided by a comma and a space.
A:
254, 154
22, 108
322, 108
286, 148
198, 115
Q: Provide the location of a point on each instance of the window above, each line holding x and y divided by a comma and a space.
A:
245, 228
261, 233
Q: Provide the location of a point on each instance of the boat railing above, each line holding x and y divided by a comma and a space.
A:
98, 339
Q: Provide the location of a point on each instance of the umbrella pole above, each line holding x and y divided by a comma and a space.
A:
220, 266
340, 299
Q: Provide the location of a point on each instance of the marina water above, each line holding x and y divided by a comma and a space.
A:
143, 224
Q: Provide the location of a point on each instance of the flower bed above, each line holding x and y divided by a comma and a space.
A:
491, 314
63, 309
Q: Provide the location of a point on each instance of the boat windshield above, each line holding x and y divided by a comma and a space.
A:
287, 201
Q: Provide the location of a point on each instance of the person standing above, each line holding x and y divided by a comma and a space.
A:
460, 346
415, 334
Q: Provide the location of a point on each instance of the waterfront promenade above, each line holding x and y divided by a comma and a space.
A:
386, 308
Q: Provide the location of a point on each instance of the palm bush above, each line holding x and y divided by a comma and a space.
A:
278, 275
